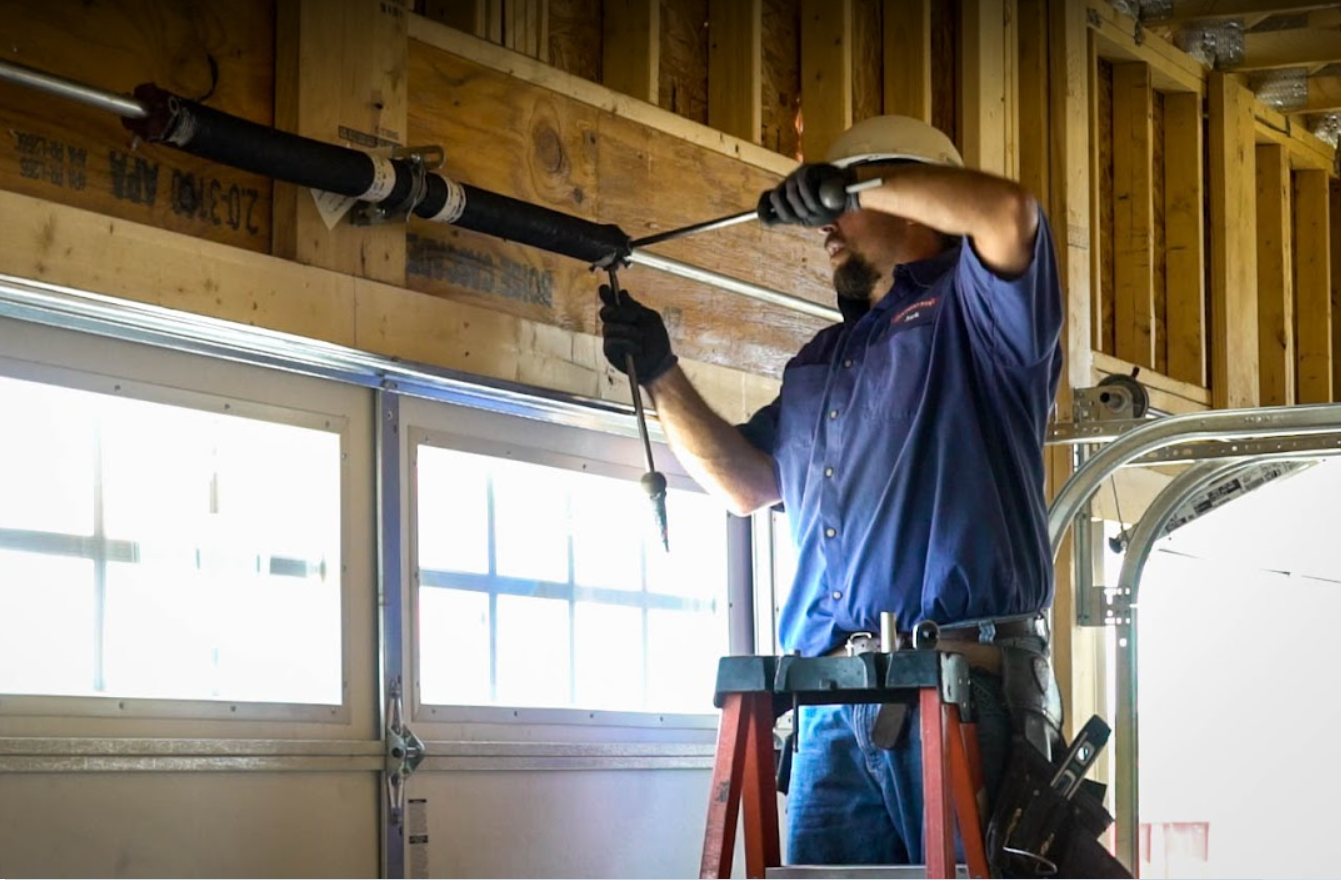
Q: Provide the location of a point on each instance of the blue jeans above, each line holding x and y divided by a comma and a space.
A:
854, 803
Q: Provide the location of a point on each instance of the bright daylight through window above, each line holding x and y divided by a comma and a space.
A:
155, 551
545, 587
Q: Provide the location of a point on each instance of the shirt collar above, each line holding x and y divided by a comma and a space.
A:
919, 275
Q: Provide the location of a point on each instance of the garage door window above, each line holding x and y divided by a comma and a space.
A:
152, 550
546, 586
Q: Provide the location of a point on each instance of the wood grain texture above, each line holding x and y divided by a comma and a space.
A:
575, 37
75, 155
1118, 39
1184, 237
532, 72
1230, 141
683, 86
826, 74
1071, 198
1312, 285
1133, 215
537, 145
1104, 318
1275, 278
631, 46
983, 64
907, 58
1034, 116
868, 59
76, 248
341, 80
1334, 245
945, 76
1159, 269
735, 62
781, 76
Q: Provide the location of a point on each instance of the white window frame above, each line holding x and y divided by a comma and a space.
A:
582, 449
121, 370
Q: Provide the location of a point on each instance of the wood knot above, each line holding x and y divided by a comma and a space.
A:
549, 150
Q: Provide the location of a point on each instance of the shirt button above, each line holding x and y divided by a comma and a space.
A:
848, 363
833, 414
831, 532
837, 594
828, 472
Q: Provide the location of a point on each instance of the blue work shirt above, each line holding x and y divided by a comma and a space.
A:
909, 451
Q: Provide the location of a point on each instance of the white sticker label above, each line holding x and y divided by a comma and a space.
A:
455, 204
416, 838
332, 206
384, 179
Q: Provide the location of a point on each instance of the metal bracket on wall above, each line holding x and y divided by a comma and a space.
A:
404, 753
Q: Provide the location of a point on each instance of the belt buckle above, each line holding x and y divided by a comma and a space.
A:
862, 643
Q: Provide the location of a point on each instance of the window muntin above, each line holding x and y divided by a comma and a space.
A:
547, 587
152, 550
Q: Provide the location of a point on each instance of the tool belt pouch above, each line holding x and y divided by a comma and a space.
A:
1035, 832
1031, 696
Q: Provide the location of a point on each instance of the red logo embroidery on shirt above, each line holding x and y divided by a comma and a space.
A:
913, 312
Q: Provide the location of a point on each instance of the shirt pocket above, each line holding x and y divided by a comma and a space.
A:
894, 377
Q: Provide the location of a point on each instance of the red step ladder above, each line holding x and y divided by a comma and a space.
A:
748, 688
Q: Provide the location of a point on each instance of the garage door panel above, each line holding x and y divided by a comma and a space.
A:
231, 825
564, 824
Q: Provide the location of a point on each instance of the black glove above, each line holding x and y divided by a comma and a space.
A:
630, 328
812, 195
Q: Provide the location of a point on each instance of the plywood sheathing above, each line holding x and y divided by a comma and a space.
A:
683, 85
781, 77
66, 153
575, 37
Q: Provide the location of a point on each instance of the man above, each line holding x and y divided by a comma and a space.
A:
907, 447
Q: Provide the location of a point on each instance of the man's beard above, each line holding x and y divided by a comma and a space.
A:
854, 281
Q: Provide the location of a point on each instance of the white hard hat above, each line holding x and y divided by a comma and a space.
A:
893, 137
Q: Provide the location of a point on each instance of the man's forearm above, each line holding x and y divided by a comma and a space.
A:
712, 449
998, 214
